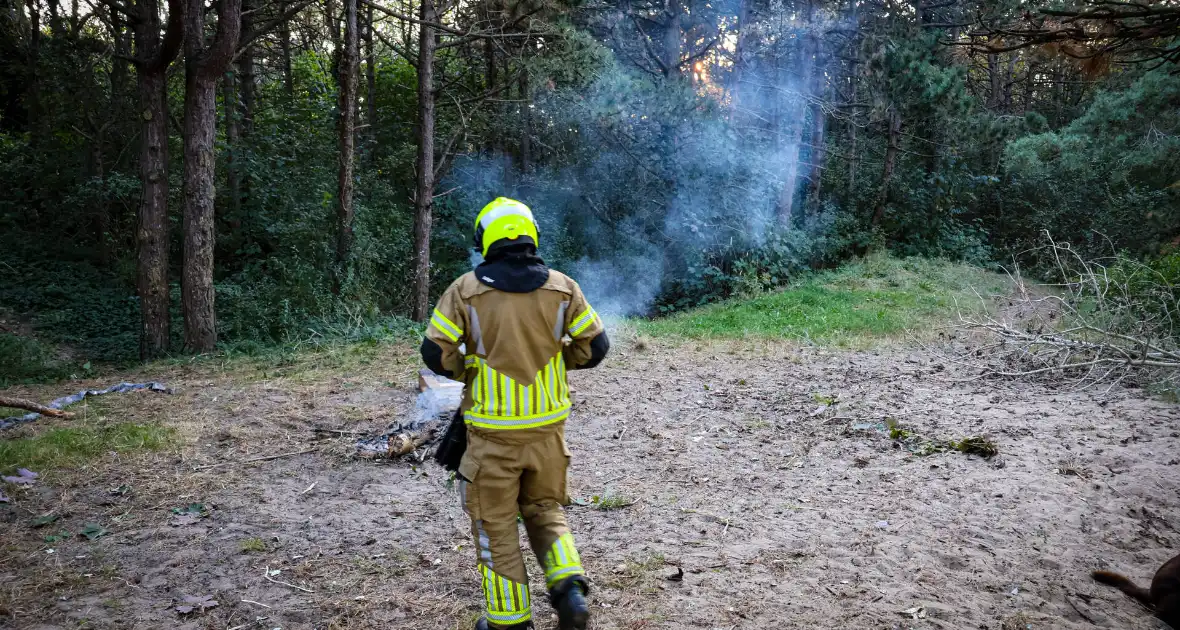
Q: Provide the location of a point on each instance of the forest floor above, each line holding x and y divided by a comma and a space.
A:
763, 470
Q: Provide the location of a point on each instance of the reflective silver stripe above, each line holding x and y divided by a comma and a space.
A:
507, 210
445, 325
476, 333
517, 422
500, 618
583, 322
559, 327
485, 548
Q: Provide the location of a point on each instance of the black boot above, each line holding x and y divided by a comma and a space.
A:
483, 624
569, 598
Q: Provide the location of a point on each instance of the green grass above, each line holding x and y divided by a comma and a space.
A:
878, 297
253, 545
72, 446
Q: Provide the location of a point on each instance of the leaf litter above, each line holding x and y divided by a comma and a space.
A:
200, 603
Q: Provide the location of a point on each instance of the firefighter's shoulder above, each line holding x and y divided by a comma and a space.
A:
468, 286
560, 282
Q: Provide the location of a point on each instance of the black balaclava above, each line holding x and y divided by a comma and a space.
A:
513, 266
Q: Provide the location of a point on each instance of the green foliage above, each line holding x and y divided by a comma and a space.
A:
71, 447
1104, 180
27, 359
876, 297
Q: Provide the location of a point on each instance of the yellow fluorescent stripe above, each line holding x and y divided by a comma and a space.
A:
444, 330
453, 326
561, 379
583, 322
514, 424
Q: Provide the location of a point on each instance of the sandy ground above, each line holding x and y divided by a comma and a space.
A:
762, 471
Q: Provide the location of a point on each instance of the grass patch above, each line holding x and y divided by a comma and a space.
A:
873, 298
253, 545
72, 446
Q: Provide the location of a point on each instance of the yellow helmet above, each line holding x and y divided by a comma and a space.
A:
504, 218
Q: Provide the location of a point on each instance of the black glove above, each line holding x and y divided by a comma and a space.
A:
453, 445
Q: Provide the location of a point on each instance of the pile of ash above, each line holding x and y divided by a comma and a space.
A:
438, 400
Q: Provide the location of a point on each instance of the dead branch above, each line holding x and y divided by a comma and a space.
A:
1103, 321
28, 405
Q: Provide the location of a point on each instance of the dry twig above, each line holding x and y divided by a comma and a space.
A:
1104, 321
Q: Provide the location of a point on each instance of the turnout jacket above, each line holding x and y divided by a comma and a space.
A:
513, 347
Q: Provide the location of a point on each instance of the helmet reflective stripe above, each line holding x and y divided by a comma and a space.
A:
501, 219
507, 208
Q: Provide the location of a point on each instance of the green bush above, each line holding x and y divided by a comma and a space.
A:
26, 359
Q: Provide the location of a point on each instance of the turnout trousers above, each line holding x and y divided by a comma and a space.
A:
505, 473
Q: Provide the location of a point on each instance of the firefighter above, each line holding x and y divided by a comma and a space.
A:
509, 330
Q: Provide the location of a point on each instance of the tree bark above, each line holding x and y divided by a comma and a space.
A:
285, 47
894, 122
526, 124
424, 191
491, 14
230, 107
346, 126
370, 85
854, 69
28, 405
793, 139
155, 55
245, 78
203, 65
672, 33
736, 92
818, 128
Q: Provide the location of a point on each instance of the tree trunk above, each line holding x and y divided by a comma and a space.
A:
102, 211
672, 32
285, 47
247, 93
155, 55
424, 192
736, 91
152, 276
819, 121
853, 149
526, 124
994, 83
229, 99
200, 108
894, 121
1009, 79
793, 139
854, 69
491, 67
332, 23
346, 126
370, 84
203, 66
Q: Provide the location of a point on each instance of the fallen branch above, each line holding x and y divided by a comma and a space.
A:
1102, 322
66, 401
255, 459
287, 584
28, 405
